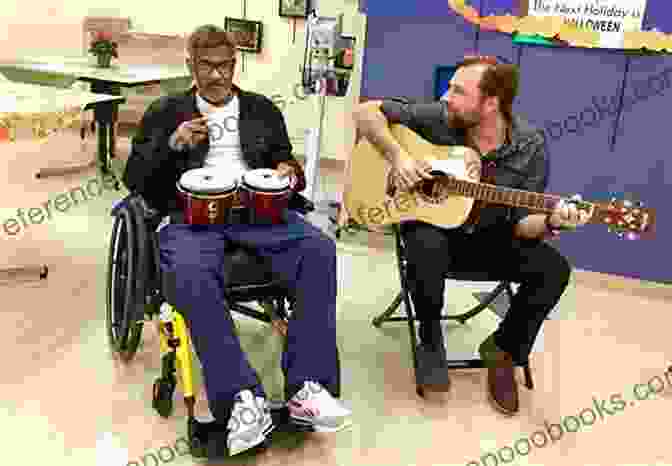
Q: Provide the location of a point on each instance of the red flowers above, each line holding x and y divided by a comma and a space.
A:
102, 44
102, 35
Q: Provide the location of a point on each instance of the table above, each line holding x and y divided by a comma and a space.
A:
107, 81
44, 105
47, 110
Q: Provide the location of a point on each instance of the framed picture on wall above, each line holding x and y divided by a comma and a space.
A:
294, 8
345, 58
247, 33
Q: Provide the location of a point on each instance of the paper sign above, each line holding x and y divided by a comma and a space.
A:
610, 18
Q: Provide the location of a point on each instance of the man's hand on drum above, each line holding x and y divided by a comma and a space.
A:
286, 170
192, 132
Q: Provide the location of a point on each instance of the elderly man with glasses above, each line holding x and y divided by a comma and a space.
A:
216, 124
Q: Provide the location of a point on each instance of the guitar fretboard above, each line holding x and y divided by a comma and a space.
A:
543, 203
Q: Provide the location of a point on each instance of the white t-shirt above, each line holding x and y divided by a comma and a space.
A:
225, 151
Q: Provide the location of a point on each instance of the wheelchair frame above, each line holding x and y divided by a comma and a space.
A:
410, 318
134, 260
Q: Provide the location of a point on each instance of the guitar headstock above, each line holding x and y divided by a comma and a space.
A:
628, 219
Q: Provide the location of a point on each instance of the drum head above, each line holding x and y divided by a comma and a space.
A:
265, 179
207, 181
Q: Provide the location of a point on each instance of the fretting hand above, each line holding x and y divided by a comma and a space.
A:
567, 216
473, 170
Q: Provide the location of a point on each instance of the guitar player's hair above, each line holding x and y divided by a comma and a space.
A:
498, 80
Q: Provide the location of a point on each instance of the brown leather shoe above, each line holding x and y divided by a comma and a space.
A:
431, 373
502, 385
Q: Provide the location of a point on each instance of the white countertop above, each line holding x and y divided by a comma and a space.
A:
83, 67
45, 109
32, 98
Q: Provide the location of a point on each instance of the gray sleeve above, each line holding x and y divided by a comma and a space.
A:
537, 175
416, 116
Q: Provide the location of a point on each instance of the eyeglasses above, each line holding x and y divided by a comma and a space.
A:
224, 68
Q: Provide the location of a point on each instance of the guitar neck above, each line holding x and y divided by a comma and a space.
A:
541, 203
625, 215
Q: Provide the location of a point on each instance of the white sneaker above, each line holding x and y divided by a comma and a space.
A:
314, 406
267, 420
249, 424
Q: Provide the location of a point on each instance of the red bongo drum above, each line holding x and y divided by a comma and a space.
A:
266, 195
208, 196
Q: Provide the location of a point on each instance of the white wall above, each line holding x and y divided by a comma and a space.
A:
55, 28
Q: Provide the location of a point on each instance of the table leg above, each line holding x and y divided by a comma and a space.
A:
103, 140
113, 132
60, 171
106, 115
30, 272
102, 150
105, 121
104, 118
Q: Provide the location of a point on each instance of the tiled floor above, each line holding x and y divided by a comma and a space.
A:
67, 401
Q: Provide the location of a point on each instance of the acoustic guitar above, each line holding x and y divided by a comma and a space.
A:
447, 199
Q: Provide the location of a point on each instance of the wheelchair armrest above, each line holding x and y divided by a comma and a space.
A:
301, 204
149, 213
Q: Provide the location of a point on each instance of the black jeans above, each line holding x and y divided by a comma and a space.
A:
541, 271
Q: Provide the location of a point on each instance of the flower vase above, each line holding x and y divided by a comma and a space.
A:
104, 60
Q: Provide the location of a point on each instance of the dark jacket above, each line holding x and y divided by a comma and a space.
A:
153, 168
521, 163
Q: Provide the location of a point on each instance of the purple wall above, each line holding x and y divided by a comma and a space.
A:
657, 13
559, 86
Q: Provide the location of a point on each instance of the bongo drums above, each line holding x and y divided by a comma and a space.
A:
266, 195
207, 196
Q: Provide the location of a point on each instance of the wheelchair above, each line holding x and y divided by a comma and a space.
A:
137, 292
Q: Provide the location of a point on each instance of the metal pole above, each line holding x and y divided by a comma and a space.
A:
322, 105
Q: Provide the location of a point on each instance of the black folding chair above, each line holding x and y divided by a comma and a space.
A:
404, 297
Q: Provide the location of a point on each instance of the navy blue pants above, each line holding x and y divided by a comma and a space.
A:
299, 254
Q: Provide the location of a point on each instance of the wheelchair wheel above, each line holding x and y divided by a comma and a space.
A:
123, 333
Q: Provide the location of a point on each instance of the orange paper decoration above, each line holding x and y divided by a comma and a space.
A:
557, 28
489, 23
471, 14
506, 23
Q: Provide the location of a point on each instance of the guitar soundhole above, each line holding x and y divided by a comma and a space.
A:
436, 190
